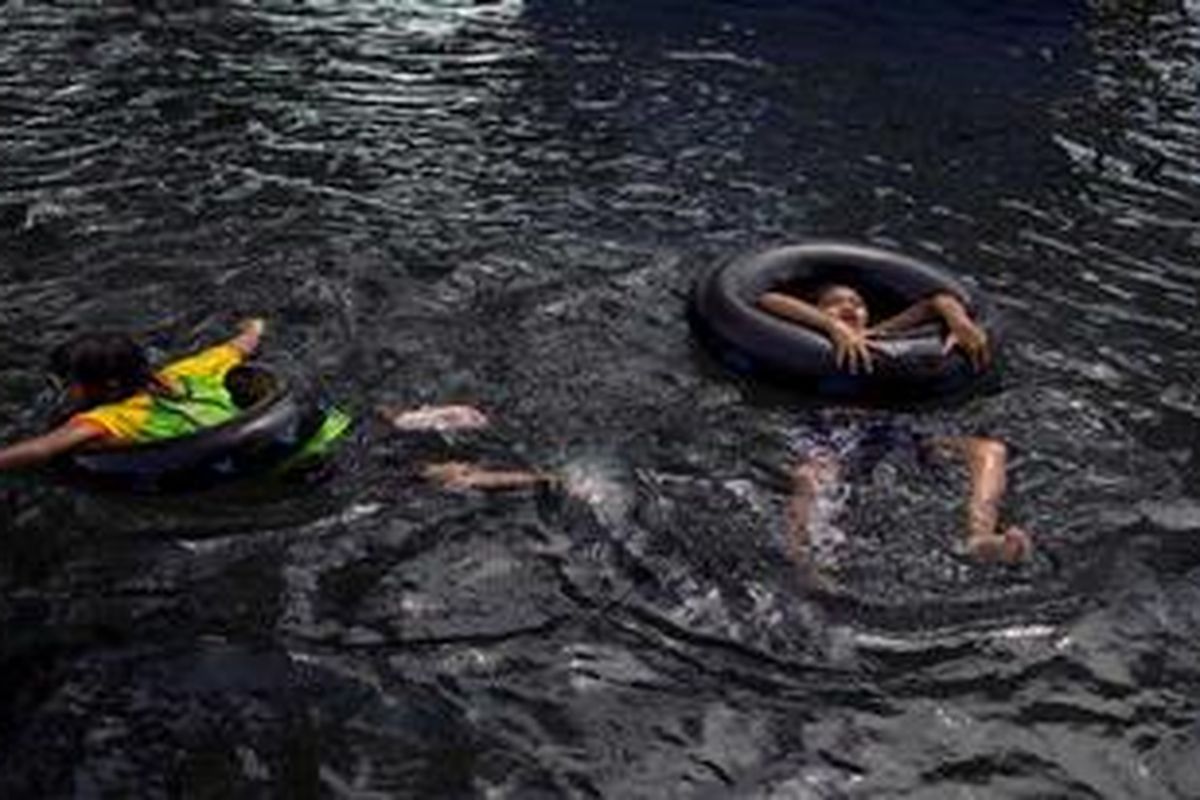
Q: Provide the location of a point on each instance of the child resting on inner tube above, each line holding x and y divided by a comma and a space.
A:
841, 313
119, 400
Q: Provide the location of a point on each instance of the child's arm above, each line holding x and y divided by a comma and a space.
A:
942, 305
851, 349
41, 449
250, 331
223, 357
964, 333
918, 313
797, 310
950, 310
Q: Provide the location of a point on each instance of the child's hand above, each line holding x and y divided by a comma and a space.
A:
964, 333
253, 326
249, 332
851, 348
970, 338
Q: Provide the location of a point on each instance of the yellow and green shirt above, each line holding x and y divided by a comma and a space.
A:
201, 401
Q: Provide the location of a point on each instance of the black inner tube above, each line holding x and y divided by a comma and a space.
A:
280, 416
725, 313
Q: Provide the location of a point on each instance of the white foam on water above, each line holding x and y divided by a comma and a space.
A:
896, 643
597, 482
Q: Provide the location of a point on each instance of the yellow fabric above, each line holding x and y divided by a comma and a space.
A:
213, 362
119, 421
139, 418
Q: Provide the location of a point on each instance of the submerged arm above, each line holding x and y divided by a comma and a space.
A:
42, 449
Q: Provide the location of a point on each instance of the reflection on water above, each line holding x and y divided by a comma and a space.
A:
505, 203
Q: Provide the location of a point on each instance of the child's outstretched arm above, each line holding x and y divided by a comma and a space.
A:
42, 449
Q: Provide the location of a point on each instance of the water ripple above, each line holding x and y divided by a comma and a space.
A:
505, 203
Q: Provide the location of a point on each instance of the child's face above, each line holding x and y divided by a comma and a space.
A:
845, 305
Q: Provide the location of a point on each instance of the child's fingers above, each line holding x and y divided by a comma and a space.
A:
985, 353
979, 356
864, 358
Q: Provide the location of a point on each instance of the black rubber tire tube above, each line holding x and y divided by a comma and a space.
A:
725, 314
255, 440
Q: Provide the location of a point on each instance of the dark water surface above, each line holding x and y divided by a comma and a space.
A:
505, 203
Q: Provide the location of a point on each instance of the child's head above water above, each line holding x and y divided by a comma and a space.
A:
101, 367
843, 303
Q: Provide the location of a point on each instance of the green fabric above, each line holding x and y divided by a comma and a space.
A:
335, 425
205, 402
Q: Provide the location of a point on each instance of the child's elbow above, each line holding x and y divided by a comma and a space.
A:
944, 300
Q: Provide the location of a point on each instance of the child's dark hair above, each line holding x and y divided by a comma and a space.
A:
112, 362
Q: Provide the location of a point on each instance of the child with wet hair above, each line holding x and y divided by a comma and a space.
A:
840, 312
118, 400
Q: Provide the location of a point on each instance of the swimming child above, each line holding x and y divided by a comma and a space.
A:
119, 400
840, 312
